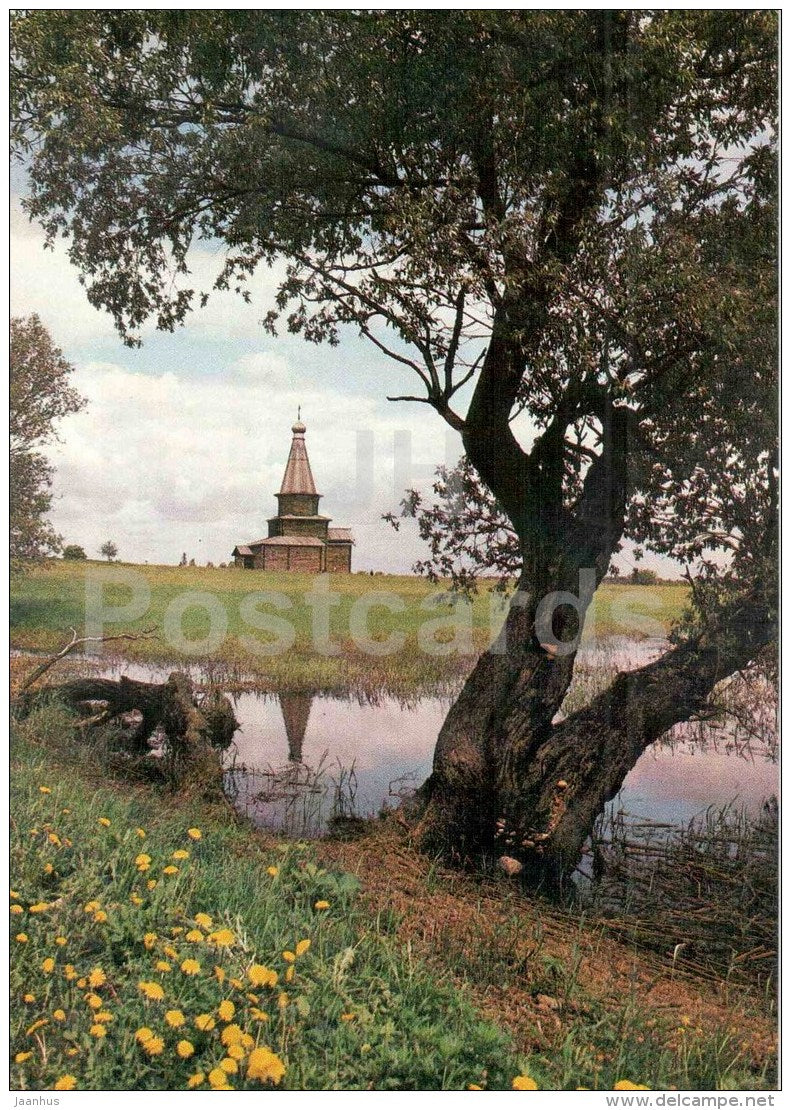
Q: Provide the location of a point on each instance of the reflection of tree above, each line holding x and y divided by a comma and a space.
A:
296, 711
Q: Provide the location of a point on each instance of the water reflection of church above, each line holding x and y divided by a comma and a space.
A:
296, 713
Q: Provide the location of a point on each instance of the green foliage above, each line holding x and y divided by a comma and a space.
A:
39, 396
74, 551
109, 551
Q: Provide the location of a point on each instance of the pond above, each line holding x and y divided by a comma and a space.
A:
300, 758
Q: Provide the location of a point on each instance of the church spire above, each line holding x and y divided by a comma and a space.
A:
298, 477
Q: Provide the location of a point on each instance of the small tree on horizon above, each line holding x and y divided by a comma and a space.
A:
109, 550
74, 551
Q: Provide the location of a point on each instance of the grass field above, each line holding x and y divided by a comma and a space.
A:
393, 633
158, 942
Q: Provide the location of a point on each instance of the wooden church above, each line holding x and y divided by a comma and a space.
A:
300, 538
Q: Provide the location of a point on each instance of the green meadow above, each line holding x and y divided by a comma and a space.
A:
353, 632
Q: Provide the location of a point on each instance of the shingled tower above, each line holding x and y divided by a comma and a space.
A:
299, 537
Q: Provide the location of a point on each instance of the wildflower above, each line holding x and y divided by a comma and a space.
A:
100, 917
474, 1087
82, 983
170, 870
135, 899
65, 1083
142, 862
45, 790
348, 1017
98, 1030
185, 1049
48, 965
236, 1052
69, 971
524, 1083
259, 1015
626, 1085
37, 907
151, 990
218, 1080
97, 978
59, 1015
105, 1017
177, 930
66, 812
204, 1022
15, 894
21, 1057
302, 947
22, 938
16, 908
149, 940
194, 936
174, 1018
282, 1000
321, 905
289, 957
190, 967
28, 998
141, 833
226, 1009
60, 941
181, 853
36, 1025
153, 1046
203, 920
219, 974
264, 1064
94, 1001
194, 834
273, 871
143, 1034
151, 884
252, 997
237, 984
223, 938
105, 821
290, 971
195, 1080
163, 965
229, 1065
170, 952
53, 838
48, 869
92, 907
231, 1034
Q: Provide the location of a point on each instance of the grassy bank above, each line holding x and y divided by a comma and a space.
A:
414, 977
415, 641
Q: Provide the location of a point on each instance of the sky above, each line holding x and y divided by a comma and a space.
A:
183, 441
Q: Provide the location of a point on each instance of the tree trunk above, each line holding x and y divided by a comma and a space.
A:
508, 780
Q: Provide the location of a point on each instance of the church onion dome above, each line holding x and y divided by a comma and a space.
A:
298, 477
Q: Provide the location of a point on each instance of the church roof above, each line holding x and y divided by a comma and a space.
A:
290, 541
298, 477
344, 534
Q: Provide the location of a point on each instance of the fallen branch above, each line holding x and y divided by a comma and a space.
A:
76, 642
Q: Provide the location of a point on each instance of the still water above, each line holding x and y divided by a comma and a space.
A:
299, 758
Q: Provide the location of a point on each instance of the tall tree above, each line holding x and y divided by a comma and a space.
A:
39, 396
565, 213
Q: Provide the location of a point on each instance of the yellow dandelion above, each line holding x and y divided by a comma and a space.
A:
66, 1083
171, 869
92, 907
28, 998
97, 978
100, 917
203, 920
48, 965
282, 1000
204, 1022
321, 905
135, 899
236, 1052
149, 940
72, 1051
218, 1080
141, 833
289, 957
104, 1016
177, 930
474, 1087
524, 1083
252, 997
37, 907
66, 812
231, 1034
151, 990
223, 938
170, 952
190, 967
246, 1041
48, 869
98, 1030
45, 790
59, 1015
174, 1018
143, 1034
105, 821
194, 834
273, 871
53, 838
348, 1016
194, 936
290, 972
181, 853
22, 938
31, 1029
229, 1065
60, 941
21, 1057
185, 1049
237, 984
70, 971
219, 974
302, 947
258, 1015
264, 1065
82, 983
226, 1009
14, 893
196, 1080
152, 884
16, 908
94, 1001
142, 861
627, 1085
163, 965
153, 1046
